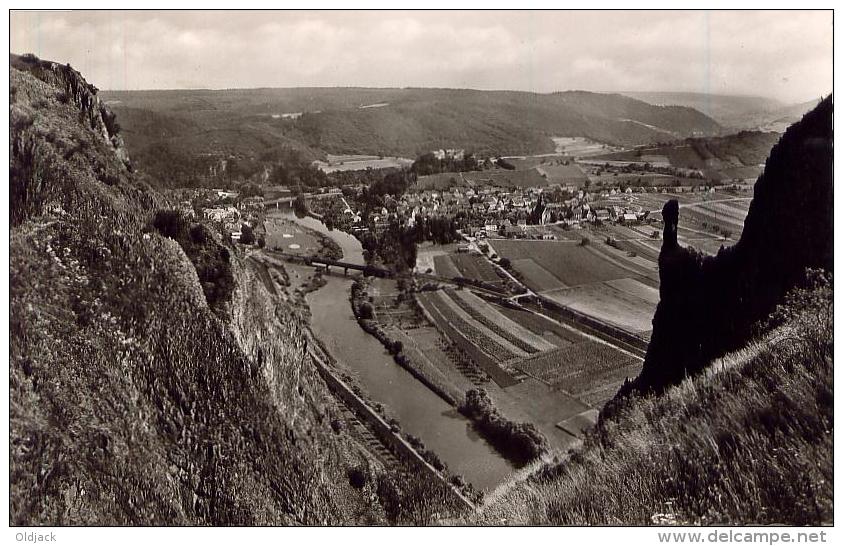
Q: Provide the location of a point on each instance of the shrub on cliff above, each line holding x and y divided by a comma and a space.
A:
210, 258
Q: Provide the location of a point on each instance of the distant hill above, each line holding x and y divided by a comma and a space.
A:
737, 156
734, 112
400, 122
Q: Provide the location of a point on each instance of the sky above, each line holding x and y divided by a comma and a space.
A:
782, 55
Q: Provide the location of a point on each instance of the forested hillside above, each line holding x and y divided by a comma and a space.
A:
198, 128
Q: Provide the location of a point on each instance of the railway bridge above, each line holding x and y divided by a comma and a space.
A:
326, 264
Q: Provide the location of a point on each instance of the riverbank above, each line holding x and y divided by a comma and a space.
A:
363, 360
428, 374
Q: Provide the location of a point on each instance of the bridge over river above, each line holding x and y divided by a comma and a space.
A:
374, 271
326, 264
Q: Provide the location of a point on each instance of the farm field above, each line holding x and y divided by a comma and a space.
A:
524, 399
655, 201
590, 370
487, 315
637, 266
618, 231
730, 209
580, 146
558, 357
596, 280
482, 339
645, 249
562, 174
640, 179
570, 234
468, 339
705, 219
708, 245
507, 179
444, 267
473, 266
360, 163
501, 345
427, 252
571, 263
635, 288
535, 276
557, 334
605, 302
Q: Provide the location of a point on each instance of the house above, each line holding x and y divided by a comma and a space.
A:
514, 230
221, 214
603, 215
252, 203
552, 212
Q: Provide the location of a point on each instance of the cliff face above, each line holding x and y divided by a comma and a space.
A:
132, 402
709, 305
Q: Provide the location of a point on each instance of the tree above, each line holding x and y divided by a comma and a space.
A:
300, 206
366, 311
247, 234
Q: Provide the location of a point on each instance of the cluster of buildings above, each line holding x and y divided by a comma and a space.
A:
488, 211
451, 153
225, 208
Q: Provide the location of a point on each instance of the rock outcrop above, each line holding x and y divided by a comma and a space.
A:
710, 304
131, 401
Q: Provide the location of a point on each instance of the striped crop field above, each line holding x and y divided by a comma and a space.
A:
488, 316
589, 370
477, 335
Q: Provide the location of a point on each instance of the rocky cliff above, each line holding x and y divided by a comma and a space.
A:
710, 304
132, 401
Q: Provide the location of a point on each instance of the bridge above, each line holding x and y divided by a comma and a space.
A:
374, 271
308, 196
326, 264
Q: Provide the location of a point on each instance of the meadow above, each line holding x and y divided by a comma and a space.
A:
573, 264
579, 146
287, 236
360, 163
508, 179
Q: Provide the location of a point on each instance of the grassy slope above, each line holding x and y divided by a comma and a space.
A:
748, 441
132, 402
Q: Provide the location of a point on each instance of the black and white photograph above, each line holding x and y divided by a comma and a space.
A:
462, 268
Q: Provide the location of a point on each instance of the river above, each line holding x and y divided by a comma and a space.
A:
419, 411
